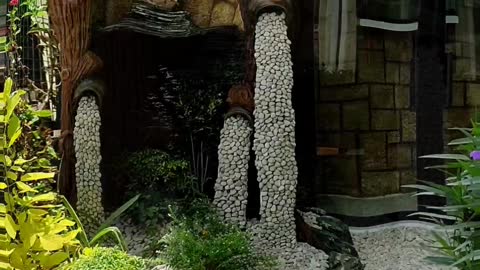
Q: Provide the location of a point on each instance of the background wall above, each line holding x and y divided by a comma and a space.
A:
371, 119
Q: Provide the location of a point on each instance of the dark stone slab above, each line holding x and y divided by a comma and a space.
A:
330, 235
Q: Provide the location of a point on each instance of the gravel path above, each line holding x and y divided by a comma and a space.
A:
395, 247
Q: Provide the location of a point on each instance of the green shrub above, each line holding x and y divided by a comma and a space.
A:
459, 218
160, 179
157, 170
106, 259
200, 240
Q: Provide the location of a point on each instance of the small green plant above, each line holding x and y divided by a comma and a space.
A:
459, 246
106, 259
155, 169
160, 179
200, 240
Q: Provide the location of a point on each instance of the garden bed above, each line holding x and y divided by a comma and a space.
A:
400, 245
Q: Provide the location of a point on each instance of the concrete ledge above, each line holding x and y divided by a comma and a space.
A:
368, 207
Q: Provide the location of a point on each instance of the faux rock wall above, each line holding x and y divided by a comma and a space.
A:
274, 140
204, 13
231, 188
87, 167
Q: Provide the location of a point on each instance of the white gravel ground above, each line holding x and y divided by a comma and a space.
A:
400, 246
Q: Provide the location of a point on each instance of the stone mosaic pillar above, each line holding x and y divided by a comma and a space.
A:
231, 188
274, 141
87, 167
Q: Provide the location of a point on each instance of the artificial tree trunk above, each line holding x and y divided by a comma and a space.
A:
71, 23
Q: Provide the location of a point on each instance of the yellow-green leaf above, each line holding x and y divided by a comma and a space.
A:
7, 89
24, 187
16, 259
53, 260
10, 226
27, 234
12, 175
72, 235
5, 159
17, 169
37, 212
51, 242
12, 103
15, 137
48, 197
21, 161
37, 176
3, 209
66, 223
3, 186
13, 127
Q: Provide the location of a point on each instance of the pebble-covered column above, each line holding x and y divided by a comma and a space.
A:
87, 167
232, 182
274, 141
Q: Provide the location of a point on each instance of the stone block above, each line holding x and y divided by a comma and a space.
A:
393, 137
340, 175
409, 126
458, 94
328, 117
385, 120
371, 67
380, 183
402, 96
345, 140
407, 177
116, 10
200, 11
369, 38
405, 73
223, 14
237, 19
398, 46
400, 156
465, 69
340, 77
458, 117
473, 94
392, 72
166, 5
374, 146
346, 93
381, 96
356, 115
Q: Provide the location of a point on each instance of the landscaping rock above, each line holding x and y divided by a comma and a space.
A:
330, 235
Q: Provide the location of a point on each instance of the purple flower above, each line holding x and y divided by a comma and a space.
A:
475, 155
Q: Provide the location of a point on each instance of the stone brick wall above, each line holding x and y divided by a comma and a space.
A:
465, 88
372, 120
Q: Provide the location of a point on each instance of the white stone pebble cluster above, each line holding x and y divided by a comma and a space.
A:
301, 257
232, 183
87, 167
137, 238
399, 248
274, 141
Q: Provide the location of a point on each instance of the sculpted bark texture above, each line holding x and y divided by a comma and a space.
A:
71, 23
